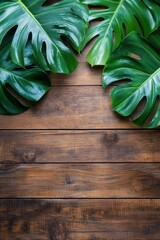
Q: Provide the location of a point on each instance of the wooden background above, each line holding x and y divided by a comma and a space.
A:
70, 169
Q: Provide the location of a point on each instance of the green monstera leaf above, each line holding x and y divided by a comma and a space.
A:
118, 18
45, 26
30, 84
137, 60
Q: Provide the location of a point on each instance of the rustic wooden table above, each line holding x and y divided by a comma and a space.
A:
72, 170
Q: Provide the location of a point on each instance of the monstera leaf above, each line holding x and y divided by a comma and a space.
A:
138, 60
29, 84
45, 26
119, 17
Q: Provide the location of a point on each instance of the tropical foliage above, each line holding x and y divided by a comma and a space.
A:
128, 45
36, 37
45, 26
137, 60
31, 82
119, 18
29, 27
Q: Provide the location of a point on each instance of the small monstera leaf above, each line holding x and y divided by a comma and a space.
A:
45, 25
137, 60
28, 84
119, 17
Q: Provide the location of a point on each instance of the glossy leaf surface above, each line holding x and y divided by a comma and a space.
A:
118, 18
45, 26
30, 84
138, 60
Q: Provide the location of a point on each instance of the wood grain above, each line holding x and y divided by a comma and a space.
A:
69, 107
80, 180
82, 220
79, 146
83, 75
72, 146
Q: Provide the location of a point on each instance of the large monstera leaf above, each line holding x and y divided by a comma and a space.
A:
118, 18
18, 84
45, 25
137, 60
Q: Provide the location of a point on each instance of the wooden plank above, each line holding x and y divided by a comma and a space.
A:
69, 107
83, 219
80, 180
79, 146
83, 75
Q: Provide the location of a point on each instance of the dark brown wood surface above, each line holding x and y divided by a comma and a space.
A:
69, 107
75, 146
89, 77
71, 169
80, 180
79, 219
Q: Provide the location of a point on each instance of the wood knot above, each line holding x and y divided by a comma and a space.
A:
67, 179
110, 138
56, 230
28, 156
25, 154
